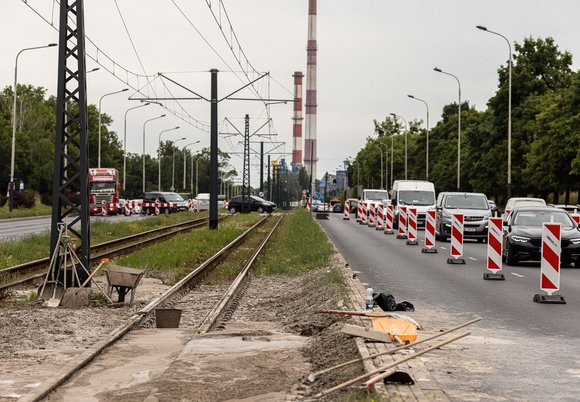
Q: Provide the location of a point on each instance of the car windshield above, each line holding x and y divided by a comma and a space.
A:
416, 197
537, 218
173, 197
466, 201
376, 195
103, 186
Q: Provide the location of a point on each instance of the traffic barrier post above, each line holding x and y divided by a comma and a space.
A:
576, 218
550, 264
128, 208
456, 248
104, 208
372, 213
346, 216
364, 212
390, 213
402, 223
494, 250
430, 232
380, 216
157, 209
358, 211
412, 227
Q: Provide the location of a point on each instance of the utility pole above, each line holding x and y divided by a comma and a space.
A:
213, 153
261, 166
72, 178
246, 169
269, 181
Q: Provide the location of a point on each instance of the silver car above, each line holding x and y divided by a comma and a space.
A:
475, 209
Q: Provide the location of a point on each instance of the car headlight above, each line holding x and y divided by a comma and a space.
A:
575, 241
520, 239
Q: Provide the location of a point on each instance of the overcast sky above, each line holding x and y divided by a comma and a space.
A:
371, 54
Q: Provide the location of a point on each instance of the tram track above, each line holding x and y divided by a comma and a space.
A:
219, 304
33, 271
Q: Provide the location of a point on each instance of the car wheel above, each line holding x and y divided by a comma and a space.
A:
166, 211
233, 210
261, 210
509, 259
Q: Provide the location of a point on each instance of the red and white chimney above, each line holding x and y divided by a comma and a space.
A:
310, 153
297, 119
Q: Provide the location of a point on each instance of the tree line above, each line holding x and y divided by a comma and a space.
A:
545, 135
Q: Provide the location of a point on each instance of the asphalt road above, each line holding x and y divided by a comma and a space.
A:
521, 350
11, 229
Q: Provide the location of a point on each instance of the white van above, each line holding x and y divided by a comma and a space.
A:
202, 201
413, 193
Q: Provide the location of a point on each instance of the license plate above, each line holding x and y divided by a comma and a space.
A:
470, 229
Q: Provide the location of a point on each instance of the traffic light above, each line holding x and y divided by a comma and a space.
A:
334, 181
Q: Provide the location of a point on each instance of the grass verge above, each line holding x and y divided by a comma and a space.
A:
38, 246
39, 209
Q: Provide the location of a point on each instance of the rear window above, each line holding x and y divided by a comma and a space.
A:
466, 201
528, 203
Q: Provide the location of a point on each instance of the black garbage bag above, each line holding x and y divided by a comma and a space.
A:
385, 301
405, 306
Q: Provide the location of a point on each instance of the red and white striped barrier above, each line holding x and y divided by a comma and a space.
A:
364, 211
430, 232
576, 218
358, 211
380, 216
412, 227
157, 207
550, 264
346, 216
308, 205
402, 223
389, 217
494, 249
372, 213
128, 208
456, 249
104, 208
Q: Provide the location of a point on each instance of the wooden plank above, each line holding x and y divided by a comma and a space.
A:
366, 333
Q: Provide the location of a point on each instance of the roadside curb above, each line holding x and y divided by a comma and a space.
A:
426, 388
27, 218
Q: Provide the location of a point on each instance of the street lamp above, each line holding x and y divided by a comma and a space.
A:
386, 165
159, 158
427, 148
13, 153
125, 145
144, 124
100, 100
405, 121
458, 127
509, 161
173, 168
185, 163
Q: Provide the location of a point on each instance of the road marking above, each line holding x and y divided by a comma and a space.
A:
356, 272
518, 275
443, 248
472, 259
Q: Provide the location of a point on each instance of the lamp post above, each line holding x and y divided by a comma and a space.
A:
427, 145
458, 127
100, 100
405, 121
386, 165
125, 145
173, 168
185, 163
159, 158
509, 161
144, 124
13, 151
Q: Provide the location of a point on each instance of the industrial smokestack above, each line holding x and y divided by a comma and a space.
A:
297, 119
310, 152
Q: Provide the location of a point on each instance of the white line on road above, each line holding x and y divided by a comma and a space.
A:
443, 248
472, 259
518, 275
356, 272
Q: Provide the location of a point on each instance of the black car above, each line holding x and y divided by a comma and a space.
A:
253, 203
522, 237
169, 202
338, 208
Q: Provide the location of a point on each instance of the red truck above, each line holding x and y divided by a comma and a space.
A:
104, 191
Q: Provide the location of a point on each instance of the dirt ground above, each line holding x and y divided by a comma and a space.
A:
268, 348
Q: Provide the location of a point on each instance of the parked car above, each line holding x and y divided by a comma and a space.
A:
353, 205
517, 202
522, 238
473, 206
255, 204
338, 208
572, 209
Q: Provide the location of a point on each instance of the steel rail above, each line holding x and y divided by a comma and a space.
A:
139, 318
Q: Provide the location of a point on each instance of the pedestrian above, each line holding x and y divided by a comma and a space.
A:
21, 186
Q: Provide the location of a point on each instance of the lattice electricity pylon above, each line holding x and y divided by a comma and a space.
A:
246, 169
70, 189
